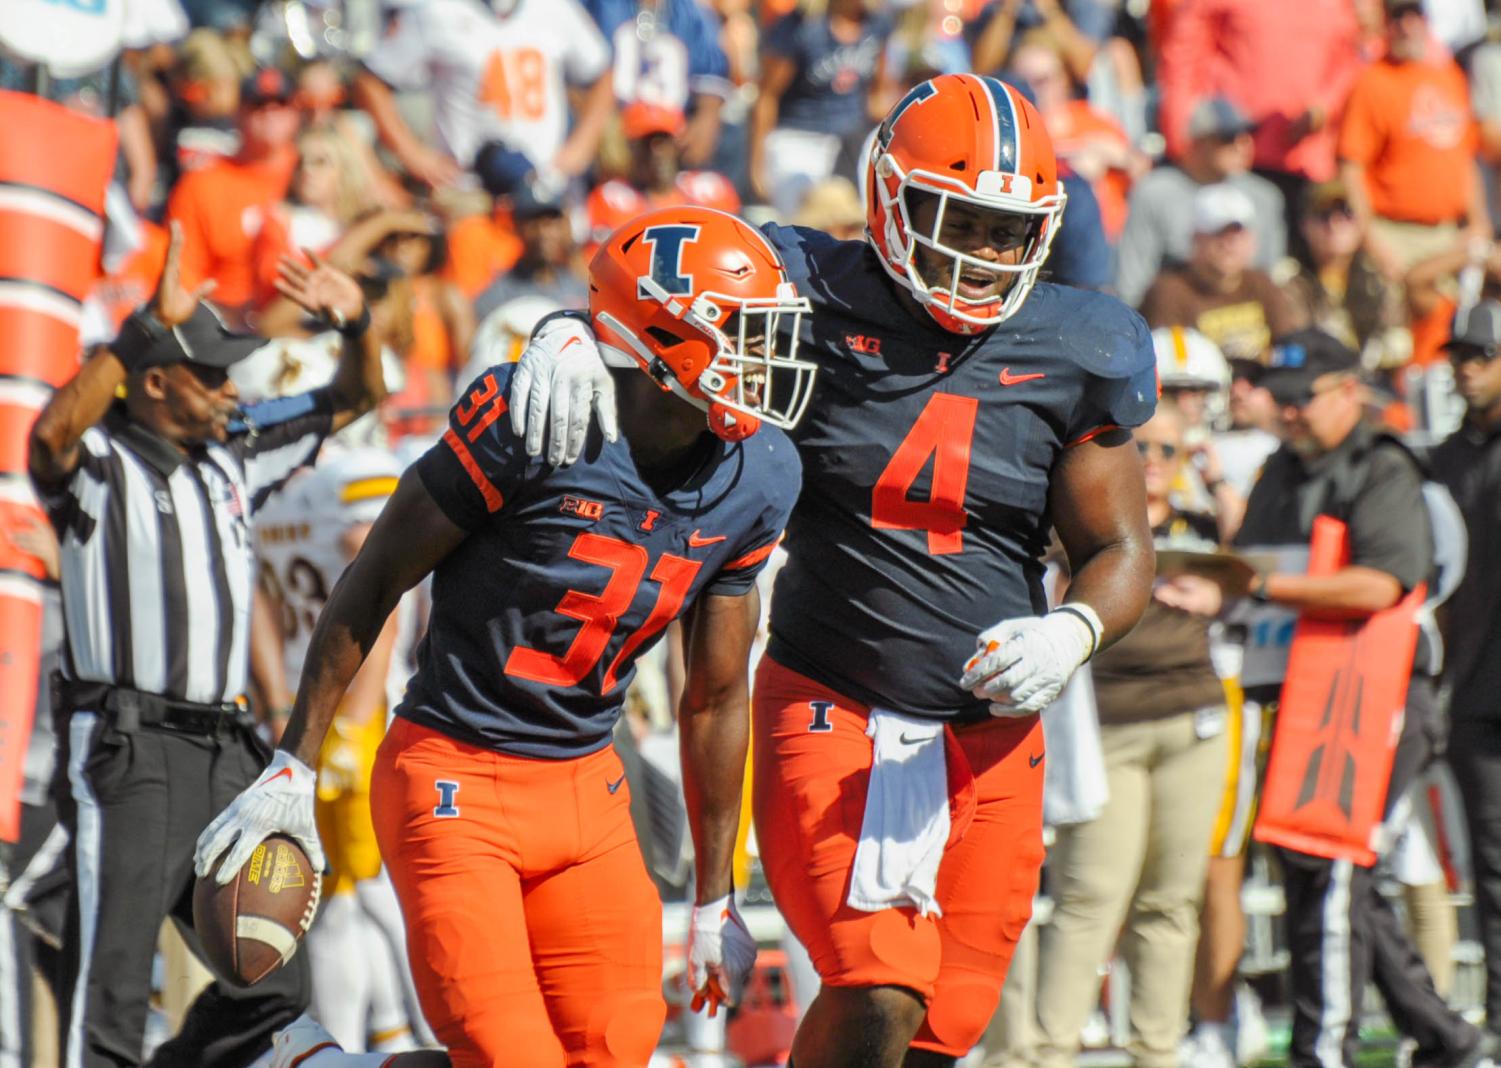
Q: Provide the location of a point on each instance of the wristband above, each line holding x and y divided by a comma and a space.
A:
1091, 621
138, 335
351, 328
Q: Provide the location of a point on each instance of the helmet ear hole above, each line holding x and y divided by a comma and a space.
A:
665, 338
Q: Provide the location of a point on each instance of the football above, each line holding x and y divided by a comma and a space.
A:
251, 925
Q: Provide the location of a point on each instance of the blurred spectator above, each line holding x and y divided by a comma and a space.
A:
667, 53
1337, 288
1136, 874
496, 72
1194, 378
1080, 27
1158, 230
206, 85
1218, 292
1093, 144
833, 206
548, 264
1252, 434
1292, 85
1485, 100
656, 178
1439, 285
223, 206
740, 38
1469, 464
323, 100
822, 86
1407, 147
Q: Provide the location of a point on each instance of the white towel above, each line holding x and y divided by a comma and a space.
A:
1074, 787
906, 823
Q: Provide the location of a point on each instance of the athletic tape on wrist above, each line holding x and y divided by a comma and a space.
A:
1091, 620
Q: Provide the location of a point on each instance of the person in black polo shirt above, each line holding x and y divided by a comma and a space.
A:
1341, 932
151, 497
1468, 462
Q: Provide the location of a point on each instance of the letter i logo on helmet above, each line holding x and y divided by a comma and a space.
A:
967, 157
700, 301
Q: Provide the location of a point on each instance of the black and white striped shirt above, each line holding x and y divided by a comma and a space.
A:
157, 549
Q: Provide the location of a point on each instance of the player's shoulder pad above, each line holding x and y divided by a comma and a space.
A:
775, 466
1110, 344
820, 265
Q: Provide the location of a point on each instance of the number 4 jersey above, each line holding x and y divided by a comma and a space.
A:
569, 574
927, 457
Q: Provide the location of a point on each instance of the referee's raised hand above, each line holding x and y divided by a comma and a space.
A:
173, 304
322, 289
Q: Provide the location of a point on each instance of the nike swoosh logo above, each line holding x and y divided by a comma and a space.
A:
909, 740
613, 786
570, 341
698, 541
1034, 759
1009, 379
287, 772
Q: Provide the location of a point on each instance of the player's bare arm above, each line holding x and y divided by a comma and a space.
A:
410, 539
1099, 508
713, 722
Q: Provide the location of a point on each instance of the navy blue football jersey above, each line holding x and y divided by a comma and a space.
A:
926, 462
569, 574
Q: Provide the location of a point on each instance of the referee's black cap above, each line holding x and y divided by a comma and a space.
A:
203, 341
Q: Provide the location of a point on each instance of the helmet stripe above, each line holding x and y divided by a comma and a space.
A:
1008, 126
987, 130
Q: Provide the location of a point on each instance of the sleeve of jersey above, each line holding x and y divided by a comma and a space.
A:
284, 434
589, 53
400, 58
1120, 374
478, 462
784, 479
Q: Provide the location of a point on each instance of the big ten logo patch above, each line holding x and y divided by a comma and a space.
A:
584, 509
820, 723
447, 790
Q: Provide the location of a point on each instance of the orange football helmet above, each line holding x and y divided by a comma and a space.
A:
700, 301
975, 140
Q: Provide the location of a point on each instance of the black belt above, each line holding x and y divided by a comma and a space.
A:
129, 710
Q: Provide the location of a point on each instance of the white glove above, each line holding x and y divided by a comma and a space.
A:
279, 802
1022, 665
721, 954
558, 382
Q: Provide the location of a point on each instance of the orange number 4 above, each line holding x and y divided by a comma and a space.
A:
943, 431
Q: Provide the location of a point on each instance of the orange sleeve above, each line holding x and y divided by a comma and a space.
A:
1360, 134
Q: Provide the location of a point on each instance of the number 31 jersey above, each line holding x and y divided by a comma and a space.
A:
569, 574
927, 458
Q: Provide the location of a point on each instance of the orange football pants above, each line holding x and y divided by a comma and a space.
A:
812, 770
534, 932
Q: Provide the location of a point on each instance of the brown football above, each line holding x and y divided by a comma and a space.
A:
251, 925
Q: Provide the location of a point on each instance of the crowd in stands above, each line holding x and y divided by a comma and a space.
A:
1236, 170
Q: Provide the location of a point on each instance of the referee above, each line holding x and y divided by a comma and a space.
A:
152, 499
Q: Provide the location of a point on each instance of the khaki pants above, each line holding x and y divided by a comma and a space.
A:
1138, 871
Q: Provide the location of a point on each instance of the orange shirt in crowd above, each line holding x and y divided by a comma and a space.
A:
616, 202
222, 209
1073, 129
432, 349
1411, 127
481, 248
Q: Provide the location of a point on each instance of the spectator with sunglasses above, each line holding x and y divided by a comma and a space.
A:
1468, 462
1132, 879
1337, 287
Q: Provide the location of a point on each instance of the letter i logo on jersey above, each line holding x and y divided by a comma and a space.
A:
821, 710
446, 809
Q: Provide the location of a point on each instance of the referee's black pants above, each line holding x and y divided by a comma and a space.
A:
135, 803
1475, 756
1342, 933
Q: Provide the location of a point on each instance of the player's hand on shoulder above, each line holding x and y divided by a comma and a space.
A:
721, 954
279, 802
560, 383
1021, 665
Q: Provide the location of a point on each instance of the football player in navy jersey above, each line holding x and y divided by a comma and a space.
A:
964, 411
500, 806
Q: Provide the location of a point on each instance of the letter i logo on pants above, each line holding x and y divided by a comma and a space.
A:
446, 809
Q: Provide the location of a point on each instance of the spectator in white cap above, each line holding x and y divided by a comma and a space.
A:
1159, 232
1218, 292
